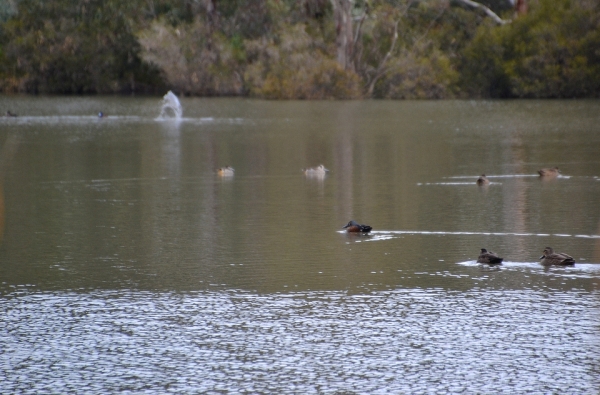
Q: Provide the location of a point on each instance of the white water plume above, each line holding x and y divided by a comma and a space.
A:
171, 108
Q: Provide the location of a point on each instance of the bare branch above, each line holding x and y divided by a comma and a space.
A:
357, 54
431, 24
381, 69
489, 12
359, 26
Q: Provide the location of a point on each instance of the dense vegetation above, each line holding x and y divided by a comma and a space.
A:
296, 49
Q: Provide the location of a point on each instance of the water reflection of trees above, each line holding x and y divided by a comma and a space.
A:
7, 154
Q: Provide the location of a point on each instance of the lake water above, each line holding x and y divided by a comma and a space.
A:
128, 265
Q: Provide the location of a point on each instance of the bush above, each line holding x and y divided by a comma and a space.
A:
418, 75
552, 52
193, 60
295, 68
62, 47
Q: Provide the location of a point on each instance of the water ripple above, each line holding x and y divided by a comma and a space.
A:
389, 234
400, 341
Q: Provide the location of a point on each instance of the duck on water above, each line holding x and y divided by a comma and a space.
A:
355, 227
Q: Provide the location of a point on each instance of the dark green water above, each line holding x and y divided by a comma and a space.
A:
128, 264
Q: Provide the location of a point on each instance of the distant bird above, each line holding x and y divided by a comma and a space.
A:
489, 257
10, 114
483, 180
556, 258
316, 171
549, 172
226, 171
355, 227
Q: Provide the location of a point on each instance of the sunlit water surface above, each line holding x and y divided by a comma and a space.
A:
128, 265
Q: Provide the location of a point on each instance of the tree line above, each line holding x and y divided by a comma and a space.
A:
303, 49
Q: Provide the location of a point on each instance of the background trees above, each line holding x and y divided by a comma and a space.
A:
63, 46
552, 51
304, 49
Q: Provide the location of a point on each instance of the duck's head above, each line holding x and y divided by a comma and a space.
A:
547, 251
351, 223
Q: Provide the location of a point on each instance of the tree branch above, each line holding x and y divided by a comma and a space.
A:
381, 69
489, 12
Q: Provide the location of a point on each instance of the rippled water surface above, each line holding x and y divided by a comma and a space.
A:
128, 265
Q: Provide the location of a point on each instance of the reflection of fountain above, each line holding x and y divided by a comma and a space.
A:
6, 157
171, 108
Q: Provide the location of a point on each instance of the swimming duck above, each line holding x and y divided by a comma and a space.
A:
556, 258
355, 227
483, 180
489, 257
315, 171
549, 172
226, 171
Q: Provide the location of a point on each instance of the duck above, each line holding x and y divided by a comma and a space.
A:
315, 171
352, 226
489, 257
549, 172
550, 258
226, 171
483, 180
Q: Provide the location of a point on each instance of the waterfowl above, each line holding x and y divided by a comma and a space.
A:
550, 258
483, 180
355, 227
315, 171
226, 171
10, 114
549, 172
489, 257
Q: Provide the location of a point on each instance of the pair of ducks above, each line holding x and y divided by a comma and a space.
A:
548, 173
548, 258
312, 171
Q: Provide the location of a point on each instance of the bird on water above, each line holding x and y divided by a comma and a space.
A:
352, 226
489, 257
550, 258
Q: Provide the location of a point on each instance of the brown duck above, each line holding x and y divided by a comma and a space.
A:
483, 180
489, 257
550, 172
550, 258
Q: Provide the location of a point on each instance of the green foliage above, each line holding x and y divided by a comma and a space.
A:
194, 60
482, 73
72, 47
293, 67
550, 52
418, 76
403, 49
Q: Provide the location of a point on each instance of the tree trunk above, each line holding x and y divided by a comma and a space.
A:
342, 12
521, 7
